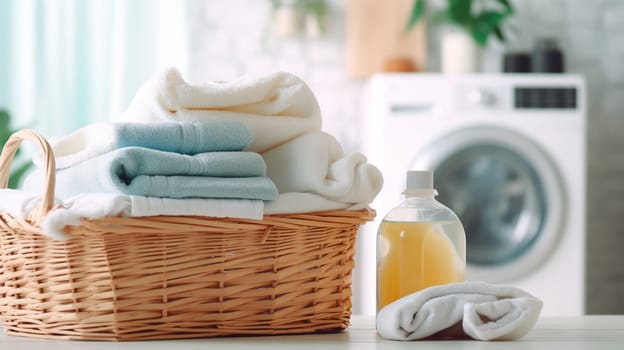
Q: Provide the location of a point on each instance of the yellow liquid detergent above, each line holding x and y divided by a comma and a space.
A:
416, 255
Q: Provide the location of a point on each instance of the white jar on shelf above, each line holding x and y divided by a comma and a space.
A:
459, 53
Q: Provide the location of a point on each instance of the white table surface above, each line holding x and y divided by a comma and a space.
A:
570, 333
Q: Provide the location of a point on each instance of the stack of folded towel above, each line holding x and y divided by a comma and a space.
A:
171, 160
257, 140
308, 166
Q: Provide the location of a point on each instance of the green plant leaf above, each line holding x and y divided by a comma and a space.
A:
441, 17
315, 7
460, 11
491, 18
4, 136
499, 34
507, 6
275, 4
480, 33
5, 129
487, 23
418, 10
5, 132
18, 173
4, 118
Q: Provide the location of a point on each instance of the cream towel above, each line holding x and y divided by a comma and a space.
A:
276, 107
485, 312
315, 163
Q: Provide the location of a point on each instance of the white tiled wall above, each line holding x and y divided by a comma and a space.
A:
233, 37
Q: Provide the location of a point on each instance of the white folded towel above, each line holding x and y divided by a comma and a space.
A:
276, 107
315, 163
301, 202
20, 204
70, 212
485, 312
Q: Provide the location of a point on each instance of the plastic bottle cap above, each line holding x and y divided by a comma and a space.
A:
419, 180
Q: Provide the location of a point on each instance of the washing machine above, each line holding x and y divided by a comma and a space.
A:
508, 155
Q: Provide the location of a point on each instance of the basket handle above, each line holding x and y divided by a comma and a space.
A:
8, 153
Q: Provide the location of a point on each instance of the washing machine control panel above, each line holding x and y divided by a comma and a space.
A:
482, 98
505, 98
532, 97
435, 95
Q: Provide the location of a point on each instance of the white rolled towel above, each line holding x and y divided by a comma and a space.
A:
484, 311
314, 163
276, 107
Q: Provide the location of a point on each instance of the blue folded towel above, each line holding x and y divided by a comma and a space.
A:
147, 172
184, 137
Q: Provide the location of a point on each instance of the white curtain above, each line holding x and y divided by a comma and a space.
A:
67, 63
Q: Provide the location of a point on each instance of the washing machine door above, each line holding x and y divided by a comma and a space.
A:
507, 193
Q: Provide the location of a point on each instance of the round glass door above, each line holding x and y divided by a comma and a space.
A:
498, 197
506, 193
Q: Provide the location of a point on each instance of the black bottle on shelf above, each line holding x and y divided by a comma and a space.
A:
547, 57
517, 62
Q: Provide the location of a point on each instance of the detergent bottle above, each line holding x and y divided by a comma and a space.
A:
420, 243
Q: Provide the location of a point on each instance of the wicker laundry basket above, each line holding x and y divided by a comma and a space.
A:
169, 277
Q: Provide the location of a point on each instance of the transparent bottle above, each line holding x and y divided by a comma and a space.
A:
420, 243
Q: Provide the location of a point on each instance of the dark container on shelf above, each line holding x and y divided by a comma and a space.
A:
547, 57
517, 62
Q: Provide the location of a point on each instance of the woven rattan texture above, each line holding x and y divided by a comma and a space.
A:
179, 277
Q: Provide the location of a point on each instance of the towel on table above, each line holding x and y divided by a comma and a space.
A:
146, 172
315, 163
186, 138
485, 312
276, 107
70, 212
